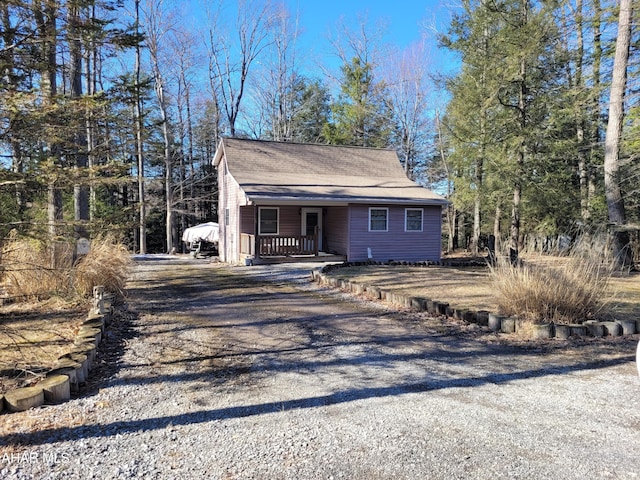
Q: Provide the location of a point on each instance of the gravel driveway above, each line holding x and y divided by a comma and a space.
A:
239, 373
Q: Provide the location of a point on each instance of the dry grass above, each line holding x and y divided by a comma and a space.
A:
36, 270
570, 290
32, 337
106, 264
463, 287
50, 300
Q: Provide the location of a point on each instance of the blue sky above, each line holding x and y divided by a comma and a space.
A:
404, 17
406, 21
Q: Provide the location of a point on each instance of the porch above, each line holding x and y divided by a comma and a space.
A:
261, 249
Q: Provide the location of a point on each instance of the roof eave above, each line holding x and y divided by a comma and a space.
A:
337, 200
219, 154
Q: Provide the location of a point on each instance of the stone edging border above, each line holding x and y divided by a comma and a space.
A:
495, 322
72, 369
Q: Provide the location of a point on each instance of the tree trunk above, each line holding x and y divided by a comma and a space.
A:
583, 148
514, 240
451, 209
479, 164
80, 192
168, 166
596, 107
8, 74
154, 34
45, 15
462, 233
90, 76
142, 220
496, 228
613, 193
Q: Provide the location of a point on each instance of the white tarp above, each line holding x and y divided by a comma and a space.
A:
207, 232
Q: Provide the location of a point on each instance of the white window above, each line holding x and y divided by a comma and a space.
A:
268, 221
378, 219
413, 219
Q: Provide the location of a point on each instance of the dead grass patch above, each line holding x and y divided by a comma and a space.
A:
36, 270
463, 287
471, 288
50, 295
32, 338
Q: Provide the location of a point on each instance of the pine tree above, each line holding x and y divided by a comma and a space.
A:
360, 116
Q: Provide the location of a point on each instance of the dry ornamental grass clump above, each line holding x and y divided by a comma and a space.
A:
570, 290
106, 264
33, 270
36, 270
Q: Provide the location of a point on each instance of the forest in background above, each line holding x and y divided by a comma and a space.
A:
111, 111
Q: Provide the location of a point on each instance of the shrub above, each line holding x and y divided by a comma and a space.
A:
567, 290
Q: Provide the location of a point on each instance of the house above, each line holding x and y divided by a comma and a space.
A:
280, 200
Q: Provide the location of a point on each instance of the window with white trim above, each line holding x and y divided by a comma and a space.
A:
378, 219
413, 219
268, 221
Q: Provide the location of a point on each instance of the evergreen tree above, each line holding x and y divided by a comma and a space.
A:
500, 110
311, 113
360, 116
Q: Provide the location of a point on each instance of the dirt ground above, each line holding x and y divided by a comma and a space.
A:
32, 338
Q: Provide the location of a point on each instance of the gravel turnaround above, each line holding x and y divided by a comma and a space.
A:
218, 372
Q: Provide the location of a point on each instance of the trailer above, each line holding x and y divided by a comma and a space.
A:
202, 239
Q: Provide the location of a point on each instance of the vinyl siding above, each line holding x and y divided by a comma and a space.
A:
248, 219
336, 230
231, 197
394, 244
289, 221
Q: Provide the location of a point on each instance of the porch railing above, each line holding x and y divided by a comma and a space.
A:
279, 245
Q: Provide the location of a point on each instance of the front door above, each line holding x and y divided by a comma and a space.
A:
312, 218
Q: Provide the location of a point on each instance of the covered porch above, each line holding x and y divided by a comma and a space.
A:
286, 233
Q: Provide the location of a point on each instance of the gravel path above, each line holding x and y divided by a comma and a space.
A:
253, 373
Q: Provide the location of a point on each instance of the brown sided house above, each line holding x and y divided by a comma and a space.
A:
282, 201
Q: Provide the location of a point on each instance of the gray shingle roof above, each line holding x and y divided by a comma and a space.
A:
292, 171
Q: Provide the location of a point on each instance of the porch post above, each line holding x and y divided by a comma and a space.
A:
316, 247
256, 250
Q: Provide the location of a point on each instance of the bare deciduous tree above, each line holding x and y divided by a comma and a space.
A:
406, 79
232, 61
158, 24
274, 88
138, 126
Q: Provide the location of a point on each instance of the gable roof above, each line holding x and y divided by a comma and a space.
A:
290, 172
